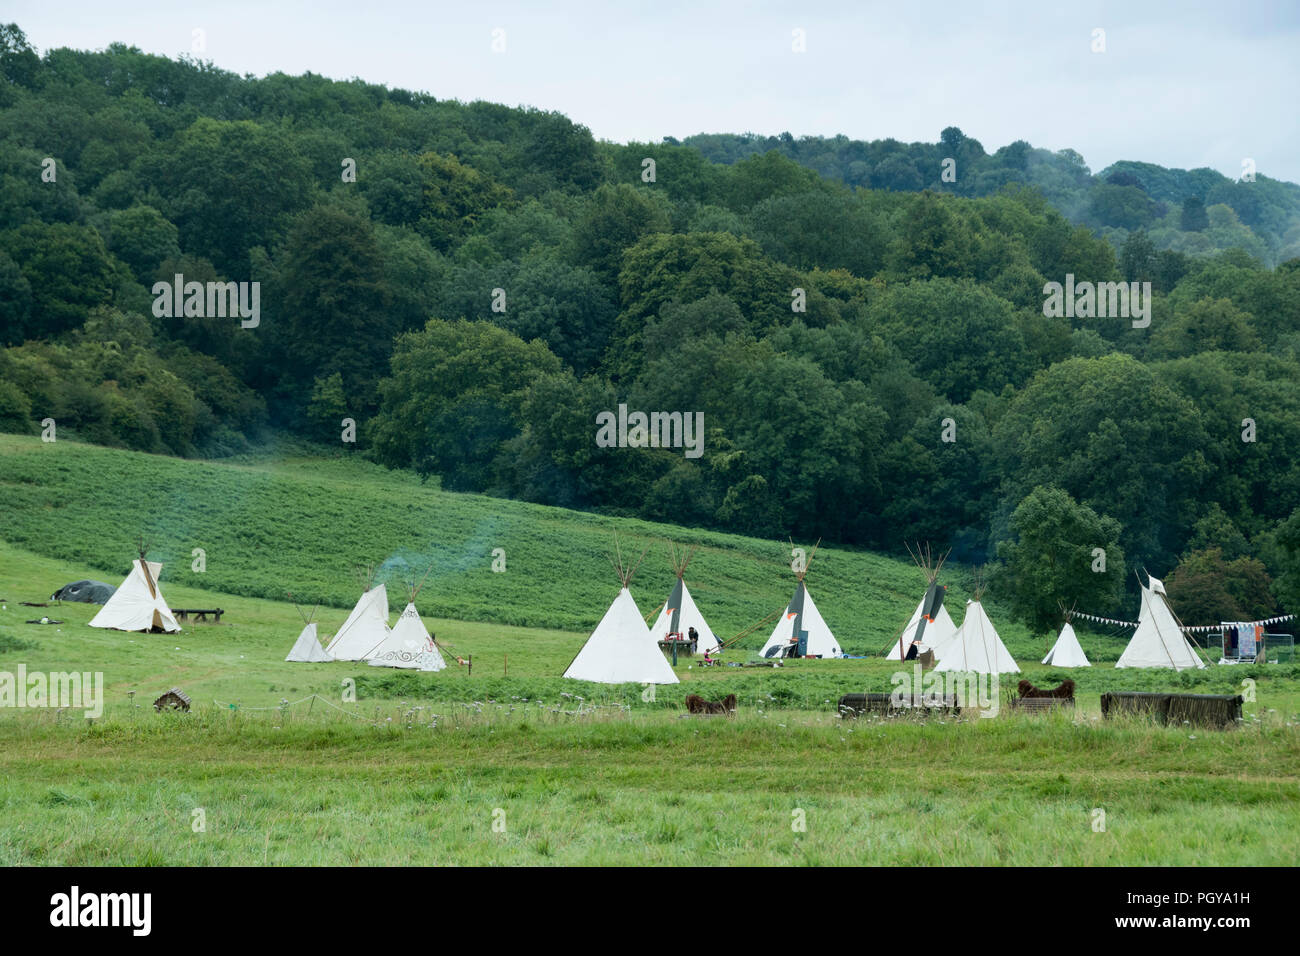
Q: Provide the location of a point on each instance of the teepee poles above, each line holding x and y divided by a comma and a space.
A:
923, 558
306, 618
144, 566
623, 570
801, 573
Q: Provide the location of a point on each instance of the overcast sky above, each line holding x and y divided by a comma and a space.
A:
1182, 84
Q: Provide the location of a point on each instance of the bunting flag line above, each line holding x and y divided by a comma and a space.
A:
1196, 629
1104, 620
1218, 627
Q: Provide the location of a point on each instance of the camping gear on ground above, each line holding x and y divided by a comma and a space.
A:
137, 604
307, 649
85, 592
930, 624
679, 614
976, 647
801, 631
621, 649
1159, 640
1200, 710
367, 625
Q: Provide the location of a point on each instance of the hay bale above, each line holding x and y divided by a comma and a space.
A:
1199, 710
854, 705
1039, 705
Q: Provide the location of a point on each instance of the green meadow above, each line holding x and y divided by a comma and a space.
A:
507, 762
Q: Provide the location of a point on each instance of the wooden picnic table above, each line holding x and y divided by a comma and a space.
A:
199, 613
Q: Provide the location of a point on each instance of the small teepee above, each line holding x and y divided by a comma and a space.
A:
679, 613
976, 647
801, 630
367, 625
137, 604
621, 649
408, 645
930, 625
1158, 640
307, 649
1066, 652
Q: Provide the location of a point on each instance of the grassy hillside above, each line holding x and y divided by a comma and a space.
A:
303, 524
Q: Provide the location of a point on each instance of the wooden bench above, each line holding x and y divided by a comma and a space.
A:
199, 614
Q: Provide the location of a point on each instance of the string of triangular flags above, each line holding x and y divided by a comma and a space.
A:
1196, 629
1218, 627
1104, 620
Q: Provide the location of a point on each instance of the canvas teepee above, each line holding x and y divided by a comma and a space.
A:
801, 630
137, 604
976, 647
307, 649
1158, 640
679, 613
621, 649
408, 645
930, 625
366, 627
1066, 652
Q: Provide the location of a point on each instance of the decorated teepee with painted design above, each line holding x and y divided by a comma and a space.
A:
409, 644
621, 649
930, 625
801, 631
679, 613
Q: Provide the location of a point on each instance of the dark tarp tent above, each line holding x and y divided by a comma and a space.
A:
87, 592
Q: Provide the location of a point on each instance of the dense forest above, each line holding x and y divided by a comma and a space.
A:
861, 325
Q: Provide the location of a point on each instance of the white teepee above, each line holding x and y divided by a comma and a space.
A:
801, 629
939, 628
137, 604
1158, 640
976, 646
621, 649
365, 628
307, 649
679, 613
1066, 652
407, 645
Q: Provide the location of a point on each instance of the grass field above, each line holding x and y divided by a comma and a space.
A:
525, 767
